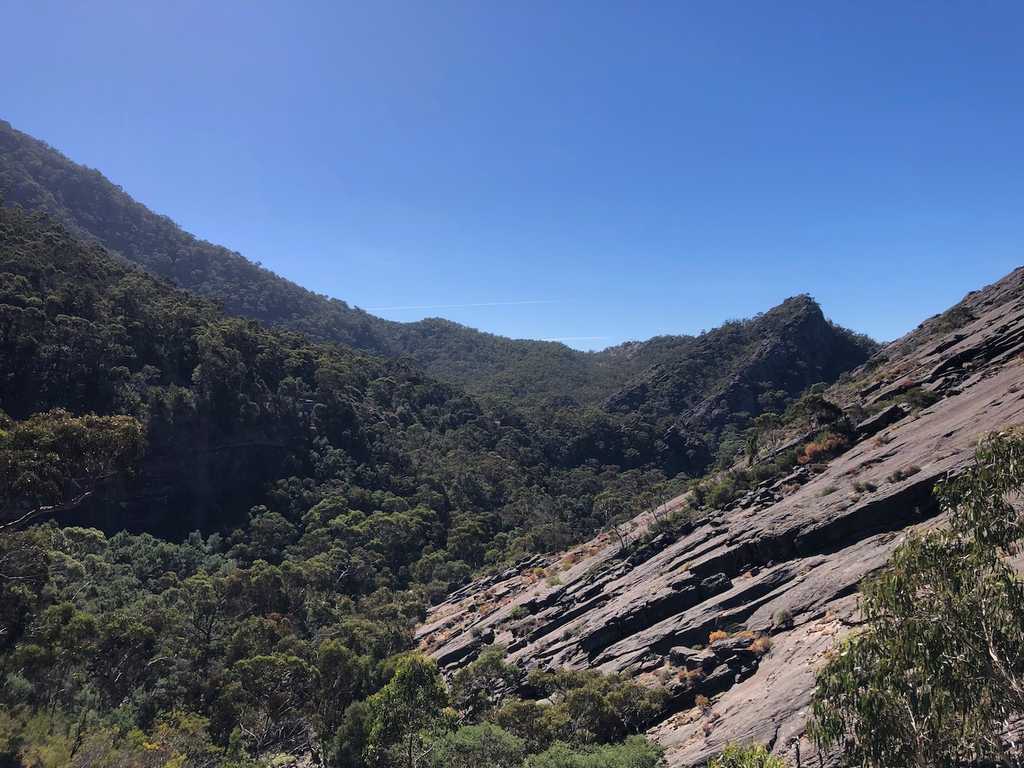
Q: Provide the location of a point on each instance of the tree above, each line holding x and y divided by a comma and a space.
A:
201, 606
764, 432
938, 672
611, 509
815, 409
535, 724
481, 685
53, 461
589, 707
24, 564
411, 703
476, 746
350, 740
278, 691
344, 678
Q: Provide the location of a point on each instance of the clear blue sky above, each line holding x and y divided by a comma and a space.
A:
639, 167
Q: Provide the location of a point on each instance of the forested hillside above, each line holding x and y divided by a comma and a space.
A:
531, 374
273, 501
341, 493
237, 414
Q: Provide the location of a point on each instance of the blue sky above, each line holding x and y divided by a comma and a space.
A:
584, 170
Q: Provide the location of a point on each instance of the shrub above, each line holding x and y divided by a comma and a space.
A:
483, 684
691, 676
823, 448
718, 634
782, 619
594, 707
477, 745
634, 752
902, 474
751, 756
952, 319
519, 612
883, 439
918, 398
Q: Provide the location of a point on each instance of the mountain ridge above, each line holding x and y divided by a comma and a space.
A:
38, 177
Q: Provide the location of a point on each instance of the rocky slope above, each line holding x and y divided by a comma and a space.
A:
777, 571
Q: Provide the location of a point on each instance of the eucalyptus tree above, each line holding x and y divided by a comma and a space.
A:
937, 675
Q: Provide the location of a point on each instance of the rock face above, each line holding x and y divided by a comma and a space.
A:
776, 574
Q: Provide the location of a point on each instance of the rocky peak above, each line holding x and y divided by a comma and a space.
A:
758, 364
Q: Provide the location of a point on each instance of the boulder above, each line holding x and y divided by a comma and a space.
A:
713, 585
691, 658
884, 418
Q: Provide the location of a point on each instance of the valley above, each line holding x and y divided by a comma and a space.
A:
250, 525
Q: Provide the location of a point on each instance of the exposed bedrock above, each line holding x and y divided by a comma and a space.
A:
776, 575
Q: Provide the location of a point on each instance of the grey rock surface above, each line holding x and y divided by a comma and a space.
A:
797, 548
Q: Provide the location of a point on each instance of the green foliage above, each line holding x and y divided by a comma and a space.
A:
175, 740
952, 319
753, 756
410, 704
274, 691
475, 746
348, 747
588, 707
621, 406
324, 451
484, 683
917, 398
336, 494
939, 670
52, 460
634, 752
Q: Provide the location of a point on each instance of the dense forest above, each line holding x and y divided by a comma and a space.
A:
338, 493
236, 414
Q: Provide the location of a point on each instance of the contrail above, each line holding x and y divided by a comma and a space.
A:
464, 306
576, 338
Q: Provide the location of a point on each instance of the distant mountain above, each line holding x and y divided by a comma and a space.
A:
677, 385
742, 367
